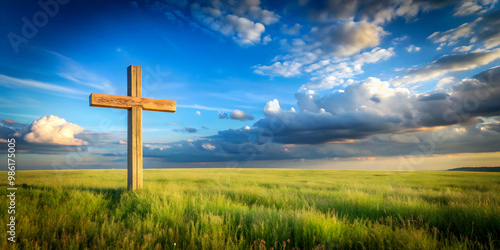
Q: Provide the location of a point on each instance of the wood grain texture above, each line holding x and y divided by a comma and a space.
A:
134, 148
126, 102
134, 81
134, 145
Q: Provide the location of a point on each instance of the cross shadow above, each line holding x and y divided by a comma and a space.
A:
112, 194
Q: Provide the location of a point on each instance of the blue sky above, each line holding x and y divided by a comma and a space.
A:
309, 84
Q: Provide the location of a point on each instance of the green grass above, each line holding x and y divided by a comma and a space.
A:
255, 208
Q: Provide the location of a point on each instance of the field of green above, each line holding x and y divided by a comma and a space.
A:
255, 209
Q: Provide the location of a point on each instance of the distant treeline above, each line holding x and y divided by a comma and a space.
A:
477, 169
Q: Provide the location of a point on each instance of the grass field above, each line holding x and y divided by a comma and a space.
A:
255, 208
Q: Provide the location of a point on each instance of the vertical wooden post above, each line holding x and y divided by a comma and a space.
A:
135, 104
134, 144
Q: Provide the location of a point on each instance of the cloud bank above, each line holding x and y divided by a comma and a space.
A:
369, 118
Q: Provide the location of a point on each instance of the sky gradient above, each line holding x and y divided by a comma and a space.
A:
382, 84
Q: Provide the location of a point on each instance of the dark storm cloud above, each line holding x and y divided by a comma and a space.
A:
6, 132
433, 97
479, 96
316, 128
375, 99
470, 139
236, 136
12, 124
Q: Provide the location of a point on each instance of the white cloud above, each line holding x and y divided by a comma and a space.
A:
385, 11
488, 30
335, 74
412, 48
294, 30
328, 52
272, 107
398, 40
286, 69
246, 32
469, 7
157, 146
268, 17
450, 37
313, 67
252, 10
243, 22
445, 82
266, 39
347, 38
485, 29
240, 115
373, 56
335, 78
52, 130
463, 48
208, 146
211, 11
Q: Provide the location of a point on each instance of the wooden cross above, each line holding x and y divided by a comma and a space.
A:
134, 103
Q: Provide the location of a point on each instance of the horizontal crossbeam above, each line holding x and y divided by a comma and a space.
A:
127, 102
